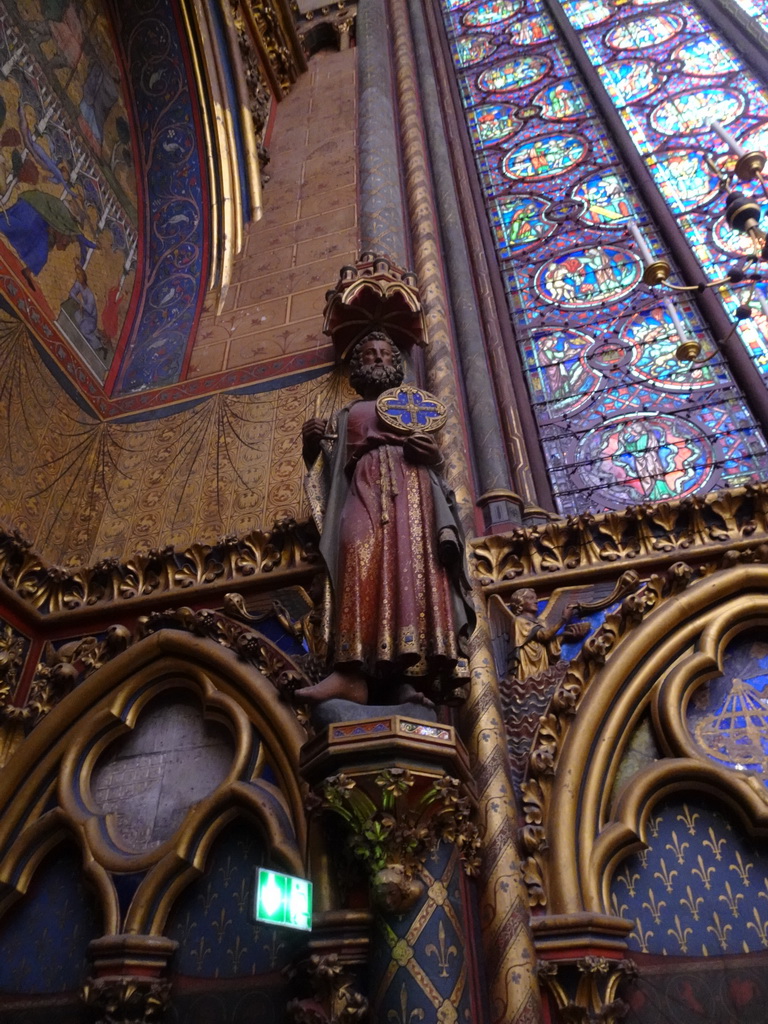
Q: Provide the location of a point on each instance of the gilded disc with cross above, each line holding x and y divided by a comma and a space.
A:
410, 410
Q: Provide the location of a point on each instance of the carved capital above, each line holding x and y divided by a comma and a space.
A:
584, 989
127, 983
333, 999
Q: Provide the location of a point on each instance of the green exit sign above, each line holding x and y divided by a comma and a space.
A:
283, 899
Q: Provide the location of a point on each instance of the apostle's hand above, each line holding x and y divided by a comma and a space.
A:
422, 449
311, 435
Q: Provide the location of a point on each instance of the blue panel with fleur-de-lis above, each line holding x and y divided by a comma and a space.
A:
44, 937
700, 889
211, 920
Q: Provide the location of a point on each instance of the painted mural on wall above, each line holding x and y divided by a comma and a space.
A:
68, 220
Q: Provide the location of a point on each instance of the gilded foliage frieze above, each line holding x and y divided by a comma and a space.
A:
66, 666
649, 534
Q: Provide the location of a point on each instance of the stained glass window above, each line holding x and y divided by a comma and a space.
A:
621, 420
695, 78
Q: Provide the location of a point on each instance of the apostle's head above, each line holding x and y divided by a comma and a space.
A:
375, 365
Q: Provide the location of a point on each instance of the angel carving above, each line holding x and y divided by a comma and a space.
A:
534, 645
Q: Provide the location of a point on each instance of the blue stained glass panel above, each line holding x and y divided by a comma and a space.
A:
493, 12
544, 156
562, 101
531, 31
519, 221
587, 12
641, 33
689, 111
672, 132
513, 74
632, 79
605, 199
579, 278
704, 57
620, 419
472, 49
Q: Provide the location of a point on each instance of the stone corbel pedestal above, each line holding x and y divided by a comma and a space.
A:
402, 787
582, 962
128, 983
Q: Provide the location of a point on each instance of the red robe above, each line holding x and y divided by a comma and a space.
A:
394, 601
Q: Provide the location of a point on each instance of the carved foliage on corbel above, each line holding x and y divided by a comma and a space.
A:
585, 990
333, 1000
656, 531
548, 742
396, 822
12, 648
127, 1000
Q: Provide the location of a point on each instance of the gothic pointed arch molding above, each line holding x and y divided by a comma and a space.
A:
43, 836
46, 785
650, 671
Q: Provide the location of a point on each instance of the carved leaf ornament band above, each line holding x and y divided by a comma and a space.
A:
645, 534
50, 589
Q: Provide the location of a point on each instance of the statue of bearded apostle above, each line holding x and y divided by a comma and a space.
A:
392, 545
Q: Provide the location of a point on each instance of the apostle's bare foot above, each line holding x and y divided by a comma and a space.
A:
408, 694
339, 685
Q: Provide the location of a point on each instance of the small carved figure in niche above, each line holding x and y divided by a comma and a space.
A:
392, 545
533, 666
534, 645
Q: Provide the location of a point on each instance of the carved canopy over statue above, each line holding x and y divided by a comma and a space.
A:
391, 542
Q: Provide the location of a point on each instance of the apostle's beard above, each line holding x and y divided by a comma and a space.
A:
375, 378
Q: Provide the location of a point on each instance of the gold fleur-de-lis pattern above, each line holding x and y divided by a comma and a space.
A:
44, 937
419, 967
699, 889
212, 918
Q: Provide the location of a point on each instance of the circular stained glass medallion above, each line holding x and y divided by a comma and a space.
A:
561, 101
732, 242
605, 200
645, 457
518, 221
582, 278
530, 31
690, 111
455, 5
704, 57
687, 179
492, 12
559, 372
515, 73
642, 33
654, 341
493, 122
585, 13
630, 80
544, 157
472, 49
